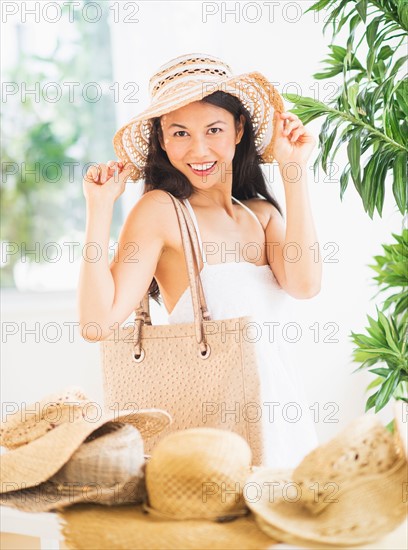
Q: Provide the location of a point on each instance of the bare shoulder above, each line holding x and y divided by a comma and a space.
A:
156, 198
152, 209
155, 212
263, 209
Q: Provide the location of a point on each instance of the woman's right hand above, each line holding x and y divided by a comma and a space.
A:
106, 182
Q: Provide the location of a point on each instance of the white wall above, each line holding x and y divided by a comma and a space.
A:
285, 51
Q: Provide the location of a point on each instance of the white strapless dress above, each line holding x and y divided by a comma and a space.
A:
234, 289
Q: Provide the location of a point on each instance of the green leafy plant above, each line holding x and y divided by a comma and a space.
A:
369, 113
370, 110
386, 338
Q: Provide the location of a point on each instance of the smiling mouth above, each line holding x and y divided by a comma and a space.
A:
202, 168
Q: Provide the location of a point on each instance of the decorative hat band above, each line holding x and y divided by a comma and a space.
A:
196, 69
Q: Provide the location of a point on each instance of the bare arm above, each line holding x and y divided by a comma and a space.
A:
293, 251
108, 293
96, 287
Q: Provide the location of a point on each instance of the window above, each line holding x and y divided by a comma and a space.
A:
58, 116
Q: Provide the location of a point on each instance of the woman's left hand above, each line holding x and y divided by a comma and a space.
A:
292, 143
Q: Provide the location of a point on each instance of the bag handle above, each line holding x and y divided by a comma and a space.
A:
199, 304
191, 254
197, 253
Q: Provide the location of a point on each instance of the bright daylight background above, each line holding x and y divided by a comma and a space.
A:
41, 350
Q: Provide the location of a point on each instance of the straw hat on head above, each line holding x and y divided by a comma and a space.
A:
64, 449
189, 78
195, 482
347, 492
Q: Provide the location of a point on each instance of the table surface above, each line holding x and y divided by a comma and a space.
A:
46, 525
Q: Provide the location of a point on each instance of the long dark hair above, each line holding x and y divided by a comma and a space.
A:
248, 179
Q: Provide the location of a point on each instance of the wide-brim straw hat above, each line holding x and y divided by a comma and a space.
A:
43, 436
195, 481
107, 468
349, 491
189, 78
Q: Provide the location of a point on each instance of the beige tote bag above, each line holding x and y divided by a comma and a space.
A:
204, 373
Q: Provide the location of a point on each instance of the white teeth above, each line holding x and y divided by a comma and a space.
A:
202, 166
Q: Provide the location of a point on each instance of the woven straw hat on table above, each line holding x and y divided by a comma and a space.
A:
349, 491
64, 449
195, 481
189, 78
366, 462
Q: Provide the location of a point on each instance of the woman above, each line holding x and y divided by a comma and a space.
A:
205, 147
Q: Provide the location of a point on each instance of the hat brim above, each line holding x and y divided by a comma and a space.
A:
37, 461
258, 95
48, 497
363, 512
87, 526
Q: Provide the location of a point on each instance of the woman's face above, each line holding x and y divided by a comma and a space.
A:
198, 135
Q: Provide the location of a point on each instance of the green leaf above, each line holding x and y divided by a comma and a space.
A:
401, 305
398, 64
375, 327
400, 268
343, 21
386, 390
385, 52
396, 298
361, 7
353, 152
365, 340
354, 22
372, 30
370, 62
352, 97
305, 101
327, 147
376, 336
383, 373
384, 352
339, 52
401, 93
328, 73
376, 382
367, 359
320, 5
394, 123
369, 183
335, 13
371, 401
344, 182
399, 185
402, 8
344, 136
384, 165
388, 331
390, 426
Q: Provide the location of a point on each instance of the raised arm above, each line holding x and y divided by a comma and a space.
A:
293, 252
108, 292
